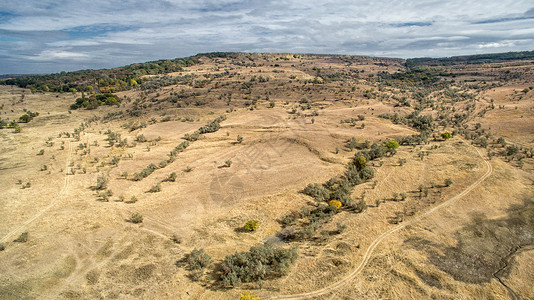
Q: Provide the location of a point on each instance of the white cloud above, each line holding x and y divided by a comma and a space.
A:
137, 30
47, 55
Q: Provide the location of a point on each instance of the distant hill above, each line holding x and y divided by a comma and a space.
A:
7, 76
123, 78
470, 59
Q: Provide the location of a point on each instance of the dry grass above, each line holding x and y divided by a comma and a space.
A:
80, 247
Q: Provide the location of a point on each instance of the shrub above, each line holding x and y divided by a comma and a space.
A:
335, 203
352, 143
317, 191
511, 150
359, 206
140, 138
360, 162
248, 296
133, 199
227, 163
41, 152
101, 182
105, 195
136, 218
251, 225
392, 144
2, 247
176, 239
446, 135
403, 196
197, 261
367, 173
23, 238
260, 263
448, 182
25, 118
239, 139
145, 172
340, 227
155, 188
171, 178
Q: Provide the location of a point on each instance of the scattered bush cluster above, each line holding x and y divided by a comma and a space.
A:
260, 263
211, 127
335, 194
208, 128
197, 261
95, 101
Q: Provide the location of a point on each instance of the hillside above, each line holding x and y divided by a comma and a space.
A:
292, 176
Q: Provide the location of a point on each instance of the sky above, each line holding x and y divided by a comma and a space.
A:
50, 36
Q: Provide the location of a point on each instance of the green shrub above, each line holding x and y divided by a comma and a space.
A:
101, 182
155, 188
136, 218
171, 178
340, 227
446, 135
448, 182
140, 138
260, 263
251, 225
198, 259
2, 247
23, 238
145, 172
392, 144
317, 191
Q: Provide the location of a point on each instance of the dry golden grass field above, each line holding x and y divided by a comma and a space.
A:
444, 218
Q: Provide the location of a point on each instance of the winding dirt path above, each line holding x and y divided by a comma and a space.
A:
13, 232
369, 252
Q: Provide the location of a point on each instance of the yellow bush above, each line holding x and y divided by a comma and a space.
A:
251, 225
335, 203
248, 296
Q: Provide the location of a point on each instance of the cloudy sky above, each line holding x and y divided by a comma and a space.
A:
43, 36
